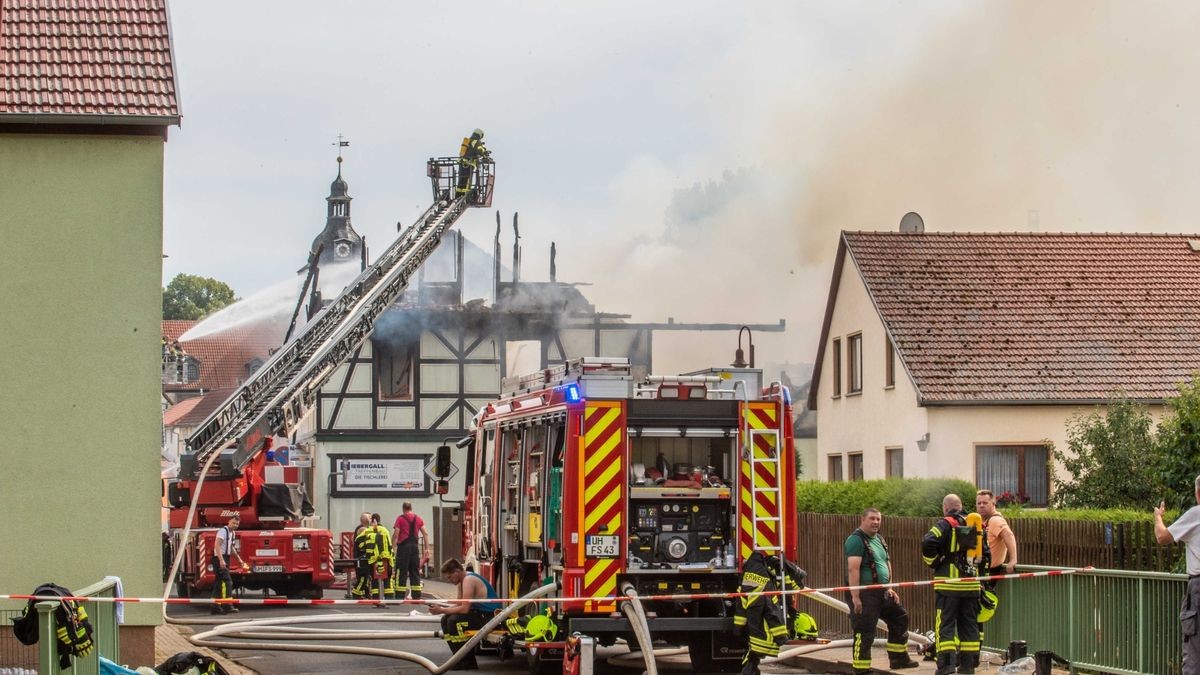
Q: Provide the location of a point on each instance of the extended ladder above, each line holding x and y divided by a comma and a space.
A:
280, 393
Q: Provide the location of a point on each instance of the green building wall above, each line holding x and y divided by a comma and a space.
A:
80, 310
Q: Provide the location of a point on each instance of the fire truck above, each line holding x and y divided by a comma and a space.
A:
227, 467
605, 482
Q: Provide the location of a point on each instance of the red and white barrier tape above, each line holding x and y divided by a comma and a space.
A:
604, 599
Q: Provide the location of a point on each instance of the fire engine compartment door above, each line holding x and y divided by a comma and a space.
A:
603, 476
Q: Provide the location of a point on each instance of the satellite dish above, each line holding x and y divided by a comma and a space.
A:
911, 223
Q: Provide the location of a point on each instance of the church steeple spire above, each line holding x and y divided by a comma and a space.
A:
341, 242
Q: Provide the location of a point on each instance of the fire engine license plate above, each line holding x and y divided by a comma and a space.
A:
268, 568
602, 546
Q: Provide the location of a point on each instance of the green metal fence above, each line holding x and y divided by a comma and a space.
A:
1105, 621
103, 616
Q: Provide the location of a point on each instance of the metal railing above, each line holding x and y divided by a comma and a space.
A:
1106, 621
105, 635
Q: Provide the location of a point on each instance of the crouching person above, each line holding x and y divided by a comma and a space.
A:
462, 618
759, 616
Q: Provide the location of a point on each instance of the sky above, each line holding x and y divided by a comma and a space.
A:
693, 160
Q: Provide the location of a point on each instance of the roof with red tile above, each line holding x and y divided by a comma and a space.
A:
225, 356
1028, 317
190, 412
77, 60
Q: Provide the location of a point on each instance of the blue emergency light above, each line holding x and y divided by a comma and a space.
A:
572, 392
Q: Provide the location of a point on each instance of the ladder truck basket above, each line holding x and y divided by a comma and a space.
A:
444, 174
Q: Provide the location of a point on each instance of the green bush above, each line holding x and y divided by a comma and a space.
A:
1093, 515
917, 497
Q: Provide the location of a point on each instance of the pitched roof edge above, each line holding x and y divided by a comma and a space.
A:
886, 329
87, 118
834, 284
174, 65
960, 402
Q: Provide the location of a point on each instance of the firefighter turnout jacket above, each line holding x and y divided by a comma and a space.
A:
761, 616
944, 548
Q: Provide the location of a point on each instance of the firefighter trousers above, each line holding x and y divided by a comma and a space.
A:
408, 568
222, 585
364, 574
458, 630
878, 604
956, 625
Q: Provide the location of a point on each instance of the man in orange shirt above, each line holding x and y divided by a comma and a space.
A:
1002, 543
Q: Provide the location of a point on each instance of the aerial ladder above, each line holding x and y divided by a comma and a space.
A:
223, 468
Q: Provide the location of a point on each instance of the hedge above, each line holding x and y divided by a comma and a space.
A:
917, 497
922, 497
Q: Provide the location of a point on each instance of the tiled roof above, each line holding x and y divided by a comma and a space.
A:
225, 355
87, 58
190, 412
1036, 317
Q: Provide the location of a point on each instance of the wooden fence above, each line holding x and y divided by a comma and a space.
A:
1061, 543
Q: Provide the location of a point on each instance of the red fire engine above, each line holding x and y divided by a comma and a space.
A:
598, 480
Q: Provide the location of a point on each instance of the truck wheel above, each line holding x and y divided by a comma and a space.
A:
705, 650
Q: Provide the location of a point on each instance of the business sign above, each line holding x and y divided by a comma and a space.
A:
379, 475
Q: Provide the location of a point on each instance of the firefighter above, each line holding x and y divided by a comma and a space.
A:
363, 538
867, 563
944, 548
461, 619
223, 551
408, 553
760, 617
470, 153
382, 560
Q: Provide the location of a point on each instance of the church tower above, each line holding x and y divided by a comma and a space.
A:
342, 243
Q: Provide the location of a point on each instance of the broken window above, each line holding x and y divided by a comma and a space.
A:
394, 364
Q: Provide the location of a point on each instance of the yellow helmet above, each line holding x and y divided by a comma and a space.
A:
987, 606
541, 628
805, 626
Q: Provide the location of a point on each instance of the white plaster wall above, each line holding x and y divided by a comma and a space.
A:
877, 418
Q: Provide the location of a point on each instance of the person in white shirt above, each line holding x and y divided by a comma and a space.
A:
1186, 529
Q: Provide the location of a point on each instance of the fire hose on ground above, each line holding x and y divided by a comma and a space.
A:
285, 628
633, 610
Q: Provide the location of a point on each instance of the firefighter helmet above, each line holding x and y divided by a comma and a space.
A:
805, 626
541, 628
478, 133
987, 606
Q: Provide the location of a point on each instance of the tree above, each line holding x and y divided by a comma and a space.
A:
1112, 460
1179, 442
192, 297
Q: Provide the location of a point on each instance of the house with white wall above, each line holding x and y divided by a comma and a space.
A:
949, 354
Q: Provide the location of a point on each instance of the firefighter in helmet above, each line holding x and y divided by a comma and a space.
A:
470, 153
760, 617
382, 559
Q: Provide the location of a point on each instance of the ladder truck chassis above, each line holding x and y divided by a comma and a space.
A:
583, 475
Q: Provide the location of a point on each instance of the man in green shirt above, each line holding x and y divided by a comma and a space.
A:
867, 563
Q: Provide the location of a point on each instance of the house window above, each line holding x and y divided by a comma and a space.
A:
894, 462
889, 361
835, 468
854, 356
837, 368
1023, 471
856, 466
394, 362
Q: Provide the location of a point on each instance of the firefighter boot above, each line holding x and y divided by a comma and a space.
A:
750, 664
967, 661
947, 663
901, 660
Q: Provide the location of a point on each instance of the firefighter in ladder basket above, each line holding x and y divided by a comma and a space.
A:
470, 153
760, 617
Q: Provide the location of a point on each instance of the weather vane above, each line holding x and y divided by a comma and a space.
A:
341, 143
